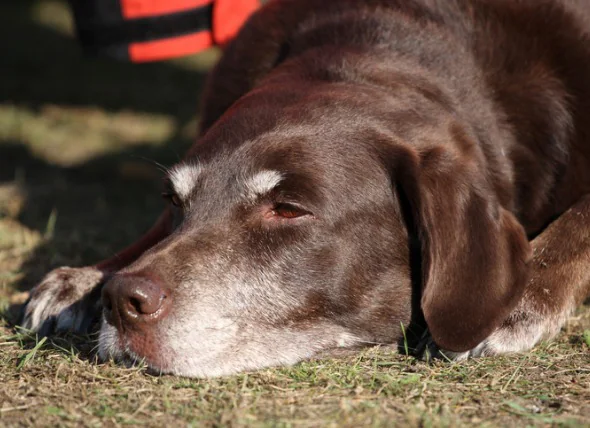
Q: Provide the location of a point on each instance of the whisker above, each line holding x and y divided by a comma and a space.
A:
164, 169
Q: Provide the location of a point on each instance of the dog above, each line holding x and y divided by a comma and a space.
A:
362, 167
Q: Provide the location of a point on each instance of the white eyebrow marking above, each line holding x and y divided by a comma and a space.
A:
262, 182
184, 178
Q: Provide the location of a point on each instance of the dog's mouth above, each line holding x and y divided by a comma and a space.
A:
122, 348
129, 359
212, 353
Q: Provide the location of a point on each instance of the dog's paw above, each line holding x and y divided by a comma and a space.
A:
519, 333
67, 300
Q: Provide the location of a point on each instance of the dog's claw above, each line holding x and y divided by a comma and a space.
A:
67, 300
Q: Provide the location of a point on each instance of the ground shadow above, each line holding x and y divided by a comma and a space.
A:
95, 208
41, 65
97, 205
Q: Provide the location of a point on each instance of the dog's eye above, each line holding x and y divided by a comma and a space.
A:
288, 211
172, 198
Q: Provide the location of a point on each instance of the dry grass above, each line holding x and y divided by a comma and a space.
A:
75, 134
54, 383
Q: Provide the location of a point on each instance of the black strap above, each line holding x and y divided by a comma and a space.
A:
100, 27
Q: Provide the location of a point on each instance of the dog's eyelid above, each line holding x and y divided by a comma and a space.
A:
167, 186
172, 197
288, 211
286, 203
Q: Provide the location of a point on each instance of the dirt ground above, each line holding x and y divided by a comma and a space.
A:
80, 139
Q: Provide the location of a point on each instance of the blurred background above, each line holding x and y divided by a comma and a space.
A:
80, 140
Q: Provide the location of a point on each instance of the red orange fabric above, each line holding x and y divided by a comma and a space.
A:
133, 9
173, 47
229, 16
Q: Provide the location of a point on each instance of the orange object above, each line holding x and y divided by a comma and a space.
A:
170, 47
133, 9
229, 16
153, 30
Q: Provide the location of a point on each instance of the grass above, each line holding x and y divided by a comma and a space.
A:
77, 140
51, 383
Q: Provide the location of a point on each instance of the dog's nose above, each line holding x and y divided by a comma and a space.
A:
129, 299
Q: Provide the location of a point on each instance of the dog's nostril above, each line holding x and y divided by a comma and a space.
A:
135, 305
144, 298
145, 306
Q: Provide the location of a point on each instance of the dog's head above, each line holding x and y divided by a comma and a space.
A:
296, 217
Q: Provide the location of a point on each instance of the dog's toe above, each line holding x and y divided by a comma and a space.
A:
67, 299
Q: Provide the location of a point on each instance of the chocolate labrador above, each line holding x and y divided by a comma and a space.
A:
362, 165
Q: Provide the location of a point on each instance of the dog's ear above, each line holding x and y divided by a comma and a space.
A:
474, 251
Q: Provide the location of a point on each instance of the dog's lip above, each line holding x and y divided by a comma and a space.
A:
136, 347
129, 359
113, 319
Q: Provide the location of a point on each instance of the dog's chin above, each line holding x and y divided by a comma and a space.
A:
190, 360
113, 347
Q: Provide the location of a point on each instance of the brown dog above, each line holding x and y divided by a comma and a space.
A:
362, 164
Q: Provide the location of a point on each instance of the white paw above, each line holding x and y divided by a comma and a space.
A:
518, 334
68, 299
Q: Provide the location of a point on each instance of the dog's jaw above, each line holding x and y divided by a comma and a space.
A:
203, 356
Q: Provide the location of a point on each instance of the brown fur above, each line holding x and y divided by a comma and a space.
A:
430, 139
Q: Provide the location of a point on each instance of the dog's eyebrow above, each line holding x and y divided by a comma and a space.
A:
262, 182
183, 178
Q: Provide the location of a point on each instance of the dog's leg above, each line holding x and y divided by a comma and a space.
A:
560, 281
69, 299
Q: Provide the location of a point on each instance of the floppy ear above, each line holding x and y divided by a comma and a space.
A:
474, 251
